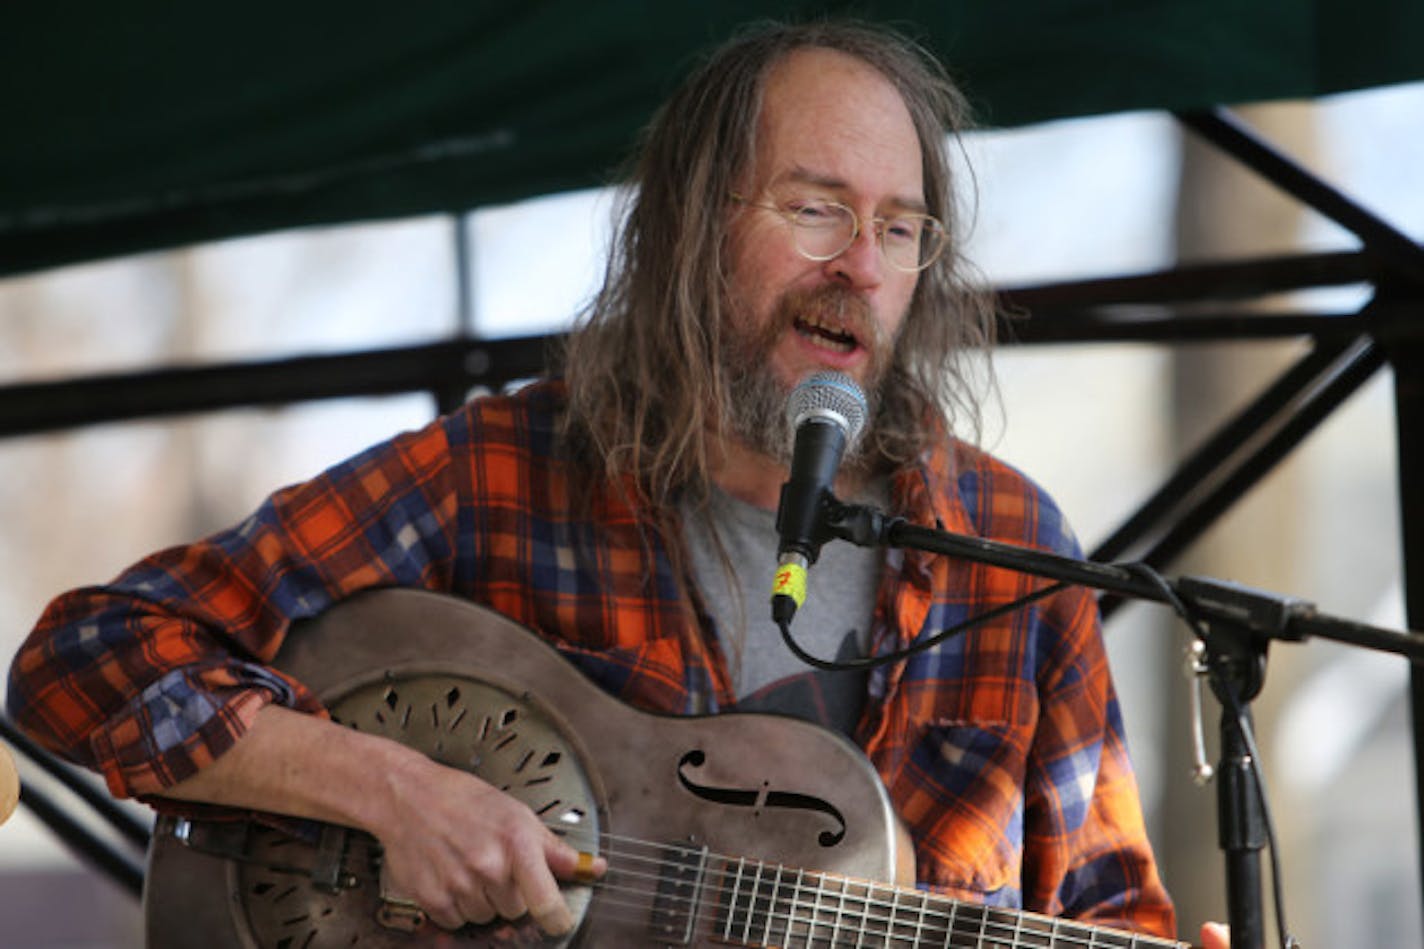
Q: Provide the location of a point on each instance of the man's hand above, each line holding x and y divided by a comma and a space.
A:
460, 849
466, 852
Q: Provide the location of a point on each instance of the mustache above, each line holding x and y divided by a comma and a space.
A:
837, 306
831, 304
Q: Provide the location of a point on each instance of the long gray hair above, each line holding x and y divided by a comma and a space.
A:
645, 382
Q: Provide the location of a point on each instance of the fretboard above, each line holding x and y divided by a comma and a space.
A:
759, 904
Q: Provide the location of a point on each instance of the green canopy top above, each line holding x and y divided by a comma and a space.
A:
153, 124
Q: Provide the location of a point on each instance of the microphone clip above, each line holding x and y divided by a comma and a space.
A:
861, 524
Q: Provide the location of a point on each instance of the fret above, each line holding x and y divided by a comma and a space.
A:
1111, 940
793, 904
1040, 929
863, 913
961, 924
1047, 929
990, 924
751, 904
842, 917
892, 921
766, 939
678, 895
920, 917
733, 892
816, 910
902, 924
1002, 921
874, 915
840, 913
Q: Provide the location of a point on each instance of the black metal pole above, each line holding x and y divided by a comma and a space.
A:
1407, 359
1237, 666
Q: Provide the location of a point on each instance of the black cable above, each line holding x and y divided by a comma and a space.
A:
873, 662
1170, 597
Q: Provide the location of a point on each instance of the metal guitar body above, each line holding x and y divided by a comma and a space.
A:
667, 800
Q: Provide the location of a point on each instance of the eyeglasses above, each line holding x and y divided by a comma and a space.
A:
822, 230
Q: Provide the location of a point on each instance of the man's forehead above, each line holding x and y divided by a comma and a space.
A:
830, 119
802, 176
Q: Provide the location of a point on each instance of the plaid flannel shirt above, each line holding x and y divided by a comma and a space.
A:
1002, 748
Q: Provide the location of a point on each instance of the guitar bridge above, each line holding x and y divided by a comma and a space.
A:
674, 916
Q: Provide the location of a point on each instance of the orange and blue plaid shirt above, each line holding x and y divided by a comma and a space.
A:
1002, 748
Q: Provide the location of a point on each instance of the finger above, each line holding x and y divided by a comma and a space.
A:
542, 895
507, 901
578, 866
1215, 936
445, 915
475, 907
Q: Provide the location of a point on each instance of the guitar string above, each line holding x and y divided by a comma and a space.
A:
808, 905
986, 921
801, 897
784, 928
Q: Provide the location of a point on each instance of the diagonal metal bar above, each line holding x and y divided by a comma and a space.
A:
1353, 368
115, 863
1216, 450
1227, 132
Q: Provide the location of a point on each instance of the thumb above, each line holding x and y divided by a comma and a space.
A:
1215, 936
568, 863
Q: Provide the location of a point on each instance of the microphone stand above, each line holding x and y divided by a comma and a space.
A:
1239, 623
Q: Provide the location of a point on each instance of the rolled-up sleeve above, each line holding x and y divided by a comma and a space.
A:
149, 678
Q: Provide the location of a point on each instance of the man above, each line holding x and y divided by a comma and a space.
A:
792, 214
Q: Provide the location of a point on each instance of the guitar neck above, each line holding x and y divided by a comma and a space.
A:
752, 903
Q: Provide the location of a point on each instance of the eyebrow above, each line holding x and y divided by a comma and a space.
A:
803, 175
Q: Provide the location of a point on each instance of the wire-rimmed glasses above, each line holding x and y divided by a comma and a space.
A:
823, 229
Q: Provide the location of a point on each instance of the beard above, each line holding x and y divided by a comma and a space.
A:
755, 399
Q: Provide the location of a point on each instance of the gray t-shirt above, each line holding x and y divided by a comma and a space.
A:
834, 622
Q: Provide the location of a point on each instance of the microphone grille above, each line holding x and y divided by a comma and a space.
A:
832, 394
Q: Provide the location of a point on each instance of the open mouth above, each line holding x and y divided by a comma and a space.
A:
834, 338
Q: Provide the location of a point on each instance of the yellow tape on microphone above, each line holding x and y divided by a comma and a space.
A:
790, 581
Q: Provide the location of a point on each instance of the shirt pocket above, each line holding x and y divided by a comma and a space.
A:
965, 807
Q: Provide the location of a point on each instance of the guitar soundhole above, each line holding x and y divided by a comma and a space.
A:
459, 722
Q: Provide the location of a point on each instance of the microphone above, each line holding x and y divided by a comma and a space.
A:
826, 412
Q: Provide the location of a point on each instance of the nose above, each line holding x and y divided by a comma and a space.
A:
861, 265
